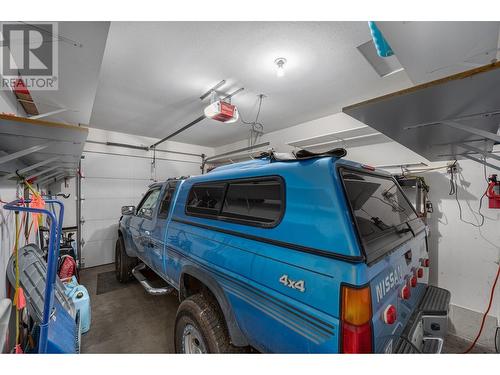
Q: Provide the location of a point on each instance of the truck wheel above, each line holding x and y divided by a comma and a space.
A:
123, 263
200, 328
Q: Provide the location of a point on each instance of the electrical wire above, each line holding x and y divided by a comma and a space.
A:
479, 209
492, 294
257, 116
484, 169
257, 128
454, 191
453, 185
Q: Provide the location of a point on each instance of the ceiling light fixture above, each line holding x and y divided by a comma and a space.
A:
280, 66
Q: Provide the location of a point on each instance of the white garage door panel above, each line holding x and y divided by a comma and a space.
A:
107, 209
124, 167
95, 253
98, 230
167, 169
112, 166
102, 188
110, 182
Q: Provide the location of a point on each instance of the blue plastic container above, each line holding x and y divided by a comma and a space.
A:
80, 297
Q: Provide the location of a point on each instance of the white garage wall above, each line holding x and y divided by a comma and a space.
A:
8, 104
7, 232
117, 176
464, 258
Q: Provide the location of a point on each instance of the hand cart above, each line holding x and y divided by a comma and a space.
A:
59, 331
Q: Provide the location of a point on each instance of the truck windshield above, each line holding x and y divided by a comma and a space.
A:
383, 215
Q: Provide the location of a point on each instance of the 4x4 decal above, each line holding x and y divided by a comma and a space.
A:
297, 285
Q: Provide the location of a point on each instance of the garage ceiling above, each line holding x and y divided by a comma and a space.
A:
433, 50
153, 73
81, 47
145, 78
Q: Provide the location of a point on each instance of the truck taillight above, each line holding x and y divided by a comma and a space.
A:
405, 292
390, 314
413, 281
426, 262
356, 314
420, 273
356, 339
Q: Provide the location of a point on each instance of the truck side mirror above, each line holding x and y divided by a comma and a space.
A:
128, 210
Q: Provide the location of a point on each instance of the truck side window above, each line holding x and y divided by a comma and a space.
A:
165, 203
148, 203
206, 199
255, 201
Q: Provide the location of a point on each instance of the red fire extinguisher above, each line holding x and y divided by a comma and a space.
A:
493, 192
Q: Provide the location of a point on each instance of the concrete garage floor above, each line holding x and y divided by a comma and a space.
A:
126, 319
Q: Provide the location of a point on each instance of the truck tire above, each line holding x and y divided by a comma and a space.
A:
123, 263
200, 328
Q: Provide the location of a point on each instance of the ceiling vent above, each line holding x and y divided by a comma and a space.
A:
384, 66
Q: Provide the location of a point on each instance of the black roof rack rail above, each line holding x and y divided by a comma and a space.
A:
303, 155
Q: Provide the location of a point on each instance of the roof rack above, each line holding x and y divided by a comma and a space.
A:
286, 156
303, 155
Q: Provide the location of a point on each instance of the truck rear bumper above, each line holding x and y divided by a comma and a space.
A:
427, 327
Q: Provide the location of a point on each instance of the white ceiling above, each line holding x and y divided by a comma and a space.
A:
78, 72
145, 78
432, 50
153, 73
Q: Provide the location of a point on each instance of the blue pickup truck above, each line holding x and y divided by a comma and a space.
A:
303, 254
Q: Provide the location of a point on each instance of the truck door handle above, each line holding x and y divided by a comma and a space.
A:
146, 242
